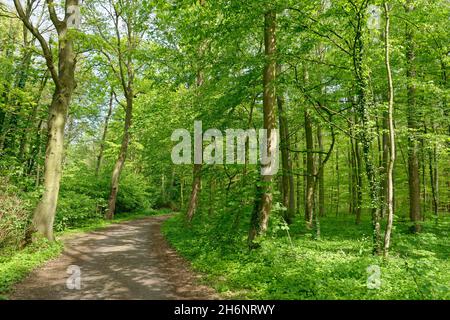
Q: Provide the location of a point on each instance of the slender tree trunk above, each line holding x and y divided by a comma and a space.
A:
433, 171
299, 188
351, 177
320, 178
384, 162
357, 178
23, 154
37, 155
298, 177
105, 132
310, 170
338, 187
197, 169
196, 187
391, 159
287, 176
121, 158
413, 158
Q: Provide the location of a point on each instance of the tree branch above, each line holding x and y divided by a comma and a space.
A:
45, 47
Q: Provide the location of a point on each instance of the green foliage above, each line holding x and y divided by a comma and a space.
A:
14, 216
76, 210
171, 45
83, 196
135, 194
333, 268
14, 266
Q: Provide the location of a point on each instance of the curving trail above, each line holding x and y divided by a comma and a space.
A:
130, 260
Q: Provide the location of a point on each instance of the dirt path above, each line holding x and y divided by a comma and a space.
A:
130, 260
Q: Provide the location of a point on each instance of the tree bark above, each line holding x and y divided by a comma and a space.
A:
263, 203
195, 193
197, 169
105, 132
433, 172
64, 78
413, 158
391, 159
121, 158
310, 169
364, 136
288, 192
320, 178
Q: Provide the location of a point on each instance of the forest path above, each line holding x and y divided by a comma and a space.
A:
130, 260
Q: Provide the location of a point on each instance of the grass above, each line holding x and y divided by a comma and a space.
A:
334, 267
16, 265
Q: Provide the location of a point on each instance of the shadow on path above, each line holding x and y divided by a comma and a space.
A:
130, 260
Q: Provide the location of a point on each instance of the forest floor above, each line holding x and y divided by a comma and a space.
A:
130, 260
296, 265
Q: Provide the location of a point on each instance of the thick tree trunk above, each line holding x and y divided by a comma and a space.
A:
44, 213
364, 134
64, 78
269, 102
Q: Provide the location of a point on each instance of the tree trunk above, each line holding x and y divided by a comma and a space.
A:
287, 189
105, 132
413, 158
384, 162
23, 153
196, 187
361, 77
121, 158
338, 187
44, 213
433, 171
320, 177
197, 169
260, 216
310, 170
391, 159
64, 78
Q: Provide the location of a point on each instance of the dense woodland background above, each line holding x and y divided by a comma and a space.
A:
357, 88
